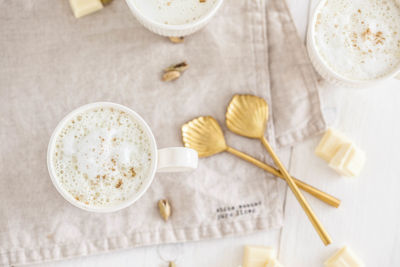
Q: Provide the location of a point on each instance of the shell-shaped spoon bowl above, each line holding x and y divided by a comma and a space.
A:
204, 135
247, 115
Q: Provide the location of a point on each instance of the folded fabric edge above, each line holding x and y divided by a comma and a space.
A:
93, 247
299, 135
318, 121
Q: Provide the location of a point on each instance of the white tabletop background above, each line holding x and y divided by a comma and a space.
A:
368, 219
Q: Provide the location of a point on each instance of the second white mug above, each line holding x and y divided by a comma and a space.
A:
149, 14
320, 63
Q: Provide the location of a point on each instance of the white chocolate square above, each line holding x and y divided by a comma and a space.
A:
339, 160
330, 144
273, 263
343, 258
355, 162
348, 160
257, 256
84, 7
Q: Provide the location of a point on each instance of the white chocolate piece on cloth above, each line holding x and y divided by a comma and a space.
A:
348, 160
343, 258
257, 256
273, 263
85, 7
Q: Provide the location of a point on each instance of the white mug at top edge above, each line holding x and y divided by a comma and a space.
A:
172, 30
171, 159
327, 72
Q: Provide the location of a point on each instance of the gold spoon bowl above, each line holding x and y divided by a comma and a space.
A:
247, 116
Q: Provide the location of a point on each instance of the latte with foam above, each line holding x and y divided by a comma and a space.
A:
174, 12
359, 39
102, 156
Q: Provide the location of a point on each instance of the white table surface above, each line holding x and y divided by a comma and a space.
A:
368, 219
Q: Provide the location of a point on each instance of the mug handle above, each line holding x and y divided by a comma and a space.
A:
177, 159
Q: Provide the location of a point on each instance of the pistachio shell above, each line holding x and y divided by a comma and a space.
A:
178, 67
164, 208
171, 75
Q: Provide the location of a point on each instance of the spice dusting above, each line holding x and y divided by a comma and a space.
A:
118, 185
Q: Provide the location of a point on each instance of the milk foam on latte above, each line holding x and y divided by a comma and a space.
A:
359, 39
174, 12
102, 156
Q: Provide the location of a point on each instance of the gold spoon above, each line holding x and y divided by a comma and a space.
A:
247, 116
204, 135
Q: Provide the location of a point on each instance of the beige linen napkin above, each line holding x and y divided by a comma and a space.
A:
51, 63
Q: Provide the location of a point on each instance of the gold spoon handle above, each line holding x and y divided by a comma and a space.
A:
331, 200
299, 196
317, 225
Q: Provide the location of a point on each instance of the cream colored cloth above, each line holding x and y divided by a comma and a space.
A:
52, 63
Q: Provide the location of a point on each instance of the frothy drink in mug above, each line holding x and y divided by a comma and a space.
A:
174, 12
103, 157
359, 39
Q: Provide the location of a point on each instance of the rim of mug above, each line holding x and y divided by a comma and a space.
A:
332, 72
102, 209
185, 26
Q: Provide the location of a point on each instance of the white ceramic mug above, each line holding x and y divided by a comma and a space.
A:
172, 159
172, 30
327, 72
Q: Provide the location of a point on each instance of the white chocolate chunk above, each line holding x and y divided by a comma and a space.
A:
343, 258
84, 7
330, 144
339, 160
355, 163
273, 263
342, 155
257, 256
348, 160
